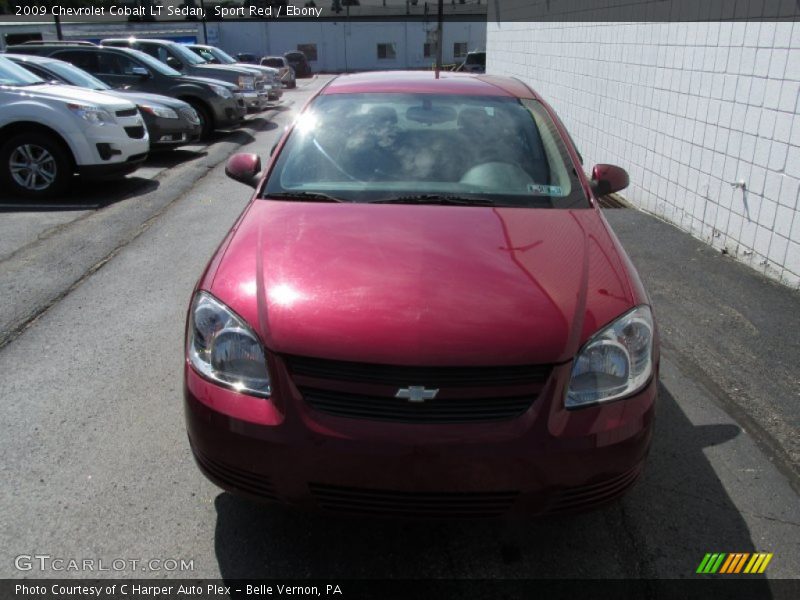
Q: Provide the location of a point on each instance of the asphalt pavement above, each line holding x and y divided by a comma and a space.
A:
96, 463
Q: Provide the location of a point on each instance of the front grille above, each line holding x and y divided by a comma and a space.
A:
128, 112
465, 394
454, 505
397, 375
189, 114
237, 478
445, 410
136, 132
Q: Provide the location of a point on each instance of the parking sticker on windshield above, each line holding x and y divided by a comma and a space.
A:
544, 190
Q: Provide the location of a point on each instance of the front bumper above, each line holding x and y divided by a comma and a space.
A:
171, 132
228, 112
255, 101
546, 461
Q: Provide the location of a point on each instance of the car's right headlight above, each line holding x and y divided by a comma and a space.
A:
616, 362
93, 114
159, 111
224, 349
221, 90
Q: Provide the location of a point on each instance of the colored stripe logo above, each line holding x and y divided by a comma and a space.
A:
734, 563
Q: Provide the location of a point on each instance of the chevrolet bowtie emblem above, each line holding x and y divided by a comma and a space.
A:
416, 393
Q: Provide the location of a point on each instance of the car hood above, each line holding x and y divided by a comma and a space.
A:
424, 285
70, 93
260, 68
226, 70
143, 98
208, 81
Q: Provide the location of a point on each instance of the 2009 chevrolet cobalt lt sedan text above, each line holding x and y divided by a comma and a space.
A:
422, 312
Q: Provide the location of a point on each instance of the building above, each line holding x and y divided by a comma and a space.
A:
703, 115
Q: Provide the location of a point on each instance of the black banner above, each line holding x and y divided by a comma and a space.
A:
718, 587
177, 11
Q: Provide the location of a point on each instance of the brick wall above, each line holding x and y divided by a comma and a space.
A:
687, 109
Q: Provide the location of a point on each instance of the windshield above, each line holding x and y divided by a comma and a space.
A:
272, 62
476, 58
187, 55
393, 147
222, 56
11, 74
75, 76
155, 64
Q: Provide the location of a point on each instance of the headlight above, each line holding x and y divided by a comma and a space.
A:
221, 90
224, 349
93, 114
615, 362
247, 82
159, 111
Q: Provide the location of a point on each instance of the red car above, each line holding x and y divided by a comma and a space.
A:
422, 312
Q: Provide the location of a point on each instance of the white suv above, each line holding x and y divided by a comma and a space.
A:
48, 133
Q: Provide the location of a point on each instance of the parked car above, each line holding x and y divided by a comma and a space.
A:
214, 55
475, 62
217, 102
299, 62
48, 133
422, 312
250, 82
170, 122
285, 71
247, 58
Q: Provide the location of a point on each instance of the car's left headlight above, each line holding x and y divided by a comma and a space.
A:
247, 82
616, 362
224, 349
159, 111
93, 114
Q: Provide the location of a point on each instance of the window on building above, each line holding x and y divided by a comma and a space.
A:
386, 51
459, 49
429, 49
310, 50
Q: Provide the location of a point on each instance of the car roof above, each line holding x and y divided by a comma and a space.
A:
35, 59
427, 82
135, 39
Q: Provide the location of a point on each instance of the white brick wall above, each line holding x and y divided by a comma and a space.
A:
686, 108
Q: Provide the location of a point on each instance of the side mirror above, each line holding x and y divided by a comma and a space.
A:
244, 168
607, 179
140, 72
174, 63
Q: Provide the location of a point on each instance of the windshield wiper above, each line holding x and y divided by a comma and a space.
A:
435, 199
307, 196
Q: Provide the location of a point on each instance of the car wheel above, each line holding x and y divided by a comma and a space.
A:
35, 165
206, 120
293, 84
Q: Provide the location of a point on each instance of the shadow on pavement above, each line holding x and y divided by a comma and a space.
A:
172, 157
84, 195
676, 513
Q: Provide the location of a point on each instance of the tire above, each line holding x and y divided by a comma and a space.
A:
206, 118
35, 165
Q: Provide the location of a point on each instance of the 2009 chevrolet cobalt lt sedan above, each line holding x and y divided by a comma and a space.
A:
422, 312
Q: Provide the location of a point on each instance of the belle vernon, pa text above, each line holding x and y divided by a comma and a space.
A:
214, 589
